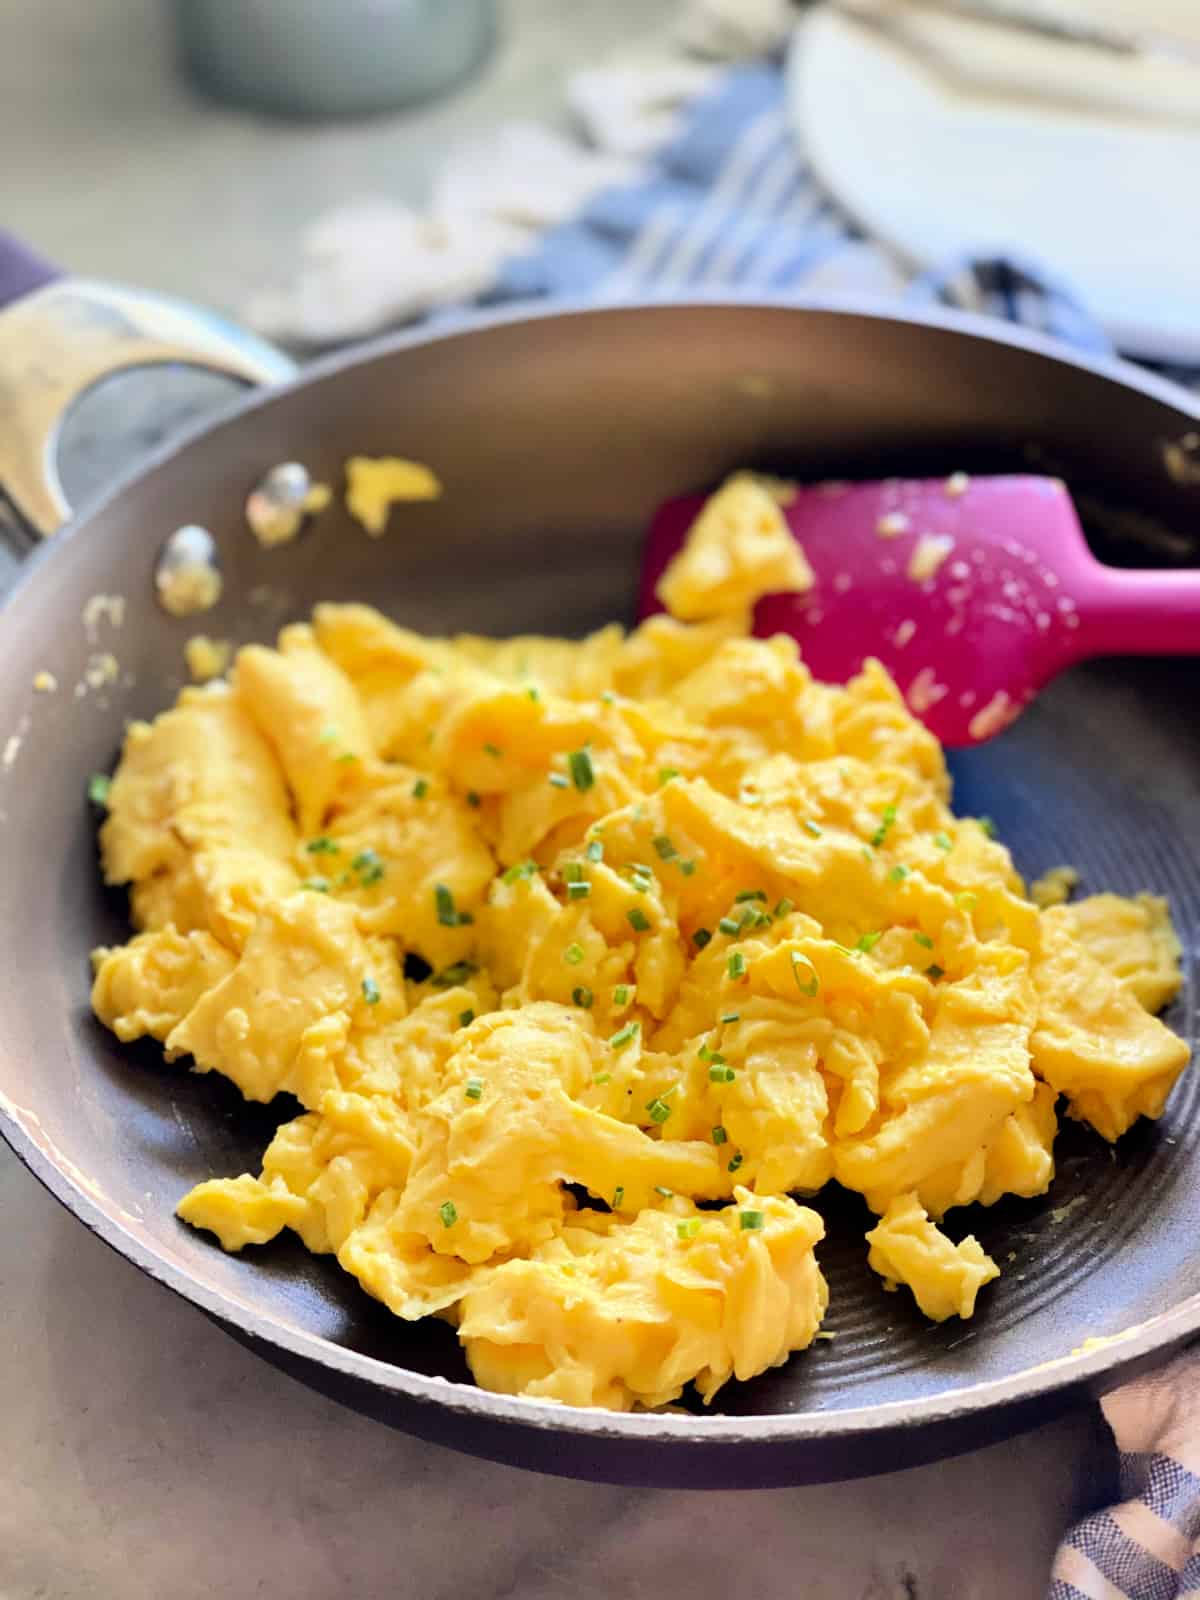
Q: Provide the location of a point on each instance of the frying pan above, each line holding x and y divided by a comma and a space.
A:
555, 434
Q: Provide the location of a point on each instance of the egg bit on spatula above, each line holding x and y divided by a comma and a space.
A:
973, 592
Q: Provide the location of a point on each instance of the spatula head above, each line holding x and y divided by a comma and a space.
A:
961, 586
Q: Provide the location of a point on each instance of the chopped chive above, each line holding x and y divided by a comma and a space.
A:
814, 983
923, 940
558, 781
595, 850
494, 750
98, 786
466, 1018
935, 972
735, 1161
730, 926
667, 1194
688, 1227
625, 1035
370, 991
347, 756
736, 965
665, 774
687, 868
965, 901
317, 885
602, 1078
578, 891
324, 846
751, 1221
638, 919
707, 1053
720, 1073
474, 1089
899, 873
812, 828
719, 1136
659, 1110
533, 694
988, 826
731, 1016
943, 841
420, 789
868, 941
663, 846
785, 907
448, 1212
621, 995
618, 1198
473, 799
749, 894
446, 913
368, 866
885, 826
572, 872
867, 853
451, 977
523, 869
573, 954
579, 764
701, 937
582, 996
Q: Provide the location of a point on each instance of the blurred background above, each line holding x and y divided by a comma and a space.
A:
324, 171
117, 163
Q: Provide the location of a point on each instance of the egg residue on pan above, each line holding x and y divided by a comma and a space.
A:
586, 958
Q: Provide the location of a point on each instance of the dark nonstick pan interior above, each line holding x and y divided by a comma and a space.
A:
555, 436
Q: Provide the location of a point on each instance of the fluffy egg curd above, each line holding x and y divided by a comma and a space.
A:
585, 959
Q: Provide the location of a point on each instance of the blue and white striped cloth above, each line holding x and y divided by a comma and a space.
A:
1148, 1546
730, 203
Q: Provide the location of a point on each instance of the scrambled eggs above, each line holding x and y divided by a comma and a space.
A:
583, 959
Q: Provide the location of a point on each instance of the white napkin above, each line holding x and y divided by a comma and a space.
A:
372, 263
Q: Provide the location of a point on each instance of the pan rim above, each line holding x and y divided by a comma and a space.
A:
1100, 1366
972, 325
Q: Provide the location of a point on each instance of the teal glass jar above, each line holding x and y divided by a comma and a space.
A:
331, 58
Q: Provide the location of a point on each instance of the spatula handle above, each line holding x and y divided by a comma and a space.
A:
1138, 613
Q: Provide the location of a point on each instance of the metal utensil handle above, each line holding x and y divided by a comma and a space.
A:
60, 335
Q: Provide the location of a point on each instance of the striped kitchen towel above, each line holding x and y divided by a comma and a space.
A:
731, 203
726, 201
1148, 1547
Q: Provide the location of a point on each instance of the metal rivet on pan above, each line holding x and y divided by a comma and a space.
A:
1182, 459
285, 496
188, 576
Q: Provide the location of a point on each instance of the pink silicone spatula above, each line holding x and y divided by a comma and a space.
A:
973, 593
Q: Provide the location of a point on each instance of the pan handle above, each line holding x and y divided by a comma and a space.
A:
60, 335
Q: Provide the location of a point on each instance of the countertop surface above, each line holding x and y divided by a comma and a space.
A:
145, 1452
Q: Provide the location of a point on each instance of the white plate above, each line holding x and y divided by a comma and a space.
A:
1111, 204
